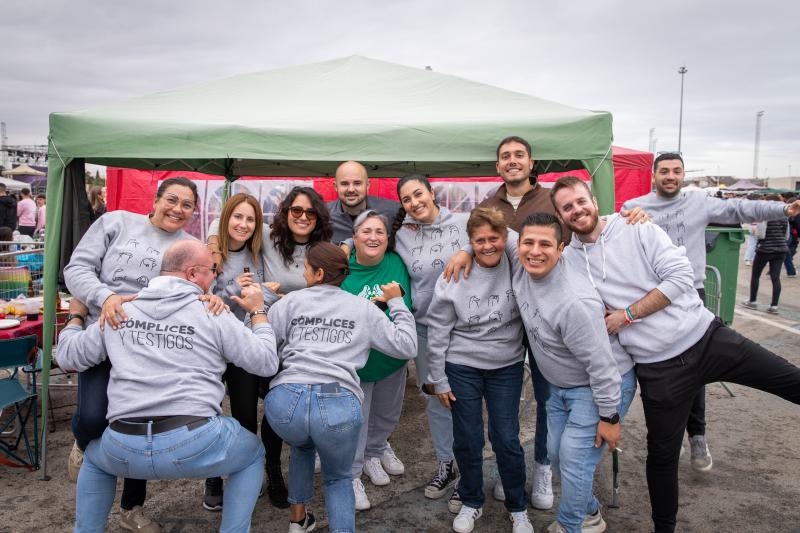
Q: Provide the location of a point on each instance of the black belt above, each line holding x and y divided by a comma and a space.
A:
160, 424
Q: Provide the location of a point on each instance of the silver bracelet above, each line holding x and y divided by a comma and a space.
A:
259, 312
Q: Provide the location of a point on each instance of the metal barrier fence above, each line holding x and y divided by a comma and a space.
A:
21, 269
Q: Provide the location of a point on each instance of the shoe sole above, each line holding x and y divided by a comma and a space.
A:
212, 508
362, 508
394, 472
704, 469
595, 528
434, 494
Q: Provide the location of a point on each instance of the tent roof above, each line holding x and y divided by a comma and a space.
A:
14, 185
743, 185
304, 120
24, 170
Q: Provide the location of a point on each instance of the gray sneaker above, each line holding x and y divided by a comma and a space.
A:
701, 456
750, 305
773, 309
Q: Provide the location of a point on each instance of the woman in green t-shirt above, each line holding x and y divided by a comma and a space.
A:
383, 379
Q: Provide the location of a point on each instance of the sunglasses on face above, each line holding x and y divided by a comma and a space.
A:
296, 211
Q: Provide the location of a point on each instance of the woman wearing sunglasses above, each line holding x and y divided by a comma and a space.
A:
301, 220
114, 260
324, 335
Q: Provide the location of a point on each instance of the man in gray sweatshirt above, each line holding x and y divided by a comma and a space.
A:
684, 216
165, 389
647, 286
591, 384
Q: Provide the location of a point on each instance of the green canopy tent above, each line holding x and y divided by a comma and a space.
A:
303, 121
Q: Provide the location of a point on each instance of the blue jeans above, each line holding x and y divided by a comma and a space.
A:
501, 388
326, 422
220, 447
572, 419
89, 422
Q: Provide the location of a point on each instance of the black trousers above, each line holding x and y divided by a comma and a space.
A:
697, 415
244, 391
775, 261
669, 387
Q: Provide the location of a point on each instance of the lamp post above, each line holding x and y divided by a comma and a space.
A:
757, 143
682, 71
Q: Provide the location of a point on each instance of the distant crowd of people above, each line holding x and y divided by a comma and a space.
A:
319, 312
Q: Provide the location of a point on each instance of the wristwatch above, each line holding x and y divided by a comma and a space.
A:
613, 419
76, 315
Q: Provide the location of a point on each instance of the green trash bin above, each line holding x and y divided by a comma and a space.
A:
722, 269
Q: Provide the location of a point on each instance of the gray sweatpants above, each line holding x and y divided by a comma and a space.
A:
382, 405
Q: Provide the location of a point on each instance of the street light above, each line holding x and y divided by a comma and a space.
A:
757, 143
682, 71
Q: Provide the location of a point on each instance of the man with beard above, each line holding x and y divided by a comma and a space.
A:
646, 284
684, 216
352, 183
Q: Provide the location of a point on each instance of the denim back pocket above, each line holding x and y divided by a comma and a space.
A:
281, 403
340, 411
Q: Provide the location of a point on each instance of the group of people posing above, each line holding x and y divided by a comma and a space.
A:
159, 324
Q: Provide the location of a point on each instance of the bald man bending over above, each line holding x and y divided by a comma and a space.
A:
165, 389
352, 183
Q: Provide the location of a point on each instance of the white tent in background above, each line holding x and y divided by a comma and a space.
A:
14, 185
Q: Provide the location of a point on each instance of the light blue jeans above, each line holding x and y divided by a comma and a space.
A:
326, 422
219, 448
572, 419
440, 418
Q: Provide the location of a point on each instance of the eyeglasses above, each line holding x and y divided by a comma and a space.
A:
212, 268
172, 201
297, 212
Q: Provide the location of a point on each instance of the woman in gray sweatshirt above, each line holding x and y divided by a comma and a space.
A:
324, 335
426, 236
115, 259
301, 220
475, 353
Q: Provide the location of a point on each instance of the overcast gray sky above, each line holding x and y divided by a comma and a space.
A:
621, 57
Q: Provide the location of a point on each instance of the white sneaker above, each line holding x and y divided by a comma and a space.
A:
375, 472
391, 464
521, 523
701, 456
74, 462
542, 493
498, 492
465, 521
593, 523
362, 502
317, 464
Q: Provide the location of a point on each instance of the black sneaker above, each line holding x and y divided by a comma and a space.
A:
212, 497
446, 476
276, 488
308, 524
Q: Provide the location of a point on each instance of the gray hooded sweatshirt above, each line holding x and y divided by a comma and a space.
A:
686, 216
627, 262
169, 357
324, 335
119, 254
426, 249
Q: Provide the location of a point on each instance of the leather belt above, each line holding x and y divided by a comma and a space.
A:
159, 424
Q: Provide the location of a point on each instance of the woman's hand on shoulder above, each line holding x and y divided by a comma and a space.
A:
112, 311
216, 305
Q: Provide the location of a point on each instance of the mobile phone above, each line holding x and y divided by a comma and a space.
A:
383, 306
246, 270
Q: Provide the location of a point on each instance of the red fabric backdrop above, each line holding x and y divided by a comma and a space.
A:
134, 190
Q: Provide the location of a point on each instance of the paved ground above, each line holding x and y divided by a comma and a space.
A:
754, 438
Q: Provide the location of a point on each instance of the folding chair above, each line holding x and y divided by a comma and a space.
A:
16, 353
